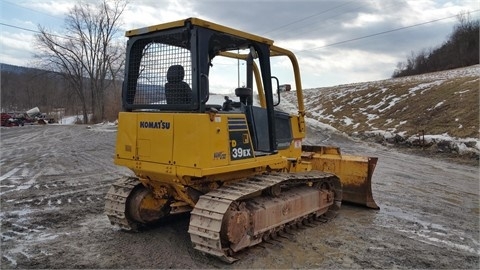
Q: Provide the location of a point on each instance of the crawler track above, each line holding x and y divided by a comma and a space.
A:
116, 200
206, 218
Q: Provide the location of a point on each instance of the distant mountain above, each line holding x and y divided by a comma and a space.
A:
16, 69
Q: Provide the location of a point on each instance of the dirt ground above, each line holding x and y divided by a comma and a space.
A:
53, 180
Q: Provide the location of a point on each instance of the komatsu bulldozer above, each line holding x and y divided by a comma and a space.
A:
242, 171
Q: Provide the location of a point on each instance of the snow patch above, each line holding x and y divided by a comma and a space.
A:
424, 86
348, 121
437, 105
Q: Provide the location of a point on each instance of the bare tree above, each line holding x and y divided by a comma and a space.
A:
88, 56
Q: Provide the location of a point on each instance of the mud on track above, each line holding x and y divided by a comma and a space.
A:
53, 180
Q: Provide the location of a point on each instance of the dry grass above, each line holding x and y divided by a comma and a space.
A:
437, 104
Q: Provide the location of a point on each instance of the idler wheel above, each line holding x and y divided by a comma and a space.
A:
143, 207
235, 226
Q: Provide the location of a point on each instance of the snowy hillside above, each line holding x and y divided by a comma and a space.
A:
440, 109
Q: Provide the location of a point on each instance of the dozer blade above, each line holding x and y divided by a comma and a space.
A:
356, 189
355, 172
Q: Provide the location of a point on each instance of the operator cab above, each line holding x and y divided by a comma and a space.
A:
168, 71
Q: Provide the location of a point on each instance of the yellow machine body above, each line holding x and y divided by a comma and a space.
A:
221, 164
176, 148
146, 144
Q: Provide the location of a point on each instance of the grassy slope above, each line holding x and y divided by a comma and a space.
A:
438, 103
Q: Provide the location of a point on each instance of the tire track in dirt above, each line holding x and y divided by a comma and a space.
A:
428, 216
49, 181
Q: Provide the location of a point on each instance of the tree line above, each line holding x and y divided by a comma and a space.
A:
25, 88
460, 50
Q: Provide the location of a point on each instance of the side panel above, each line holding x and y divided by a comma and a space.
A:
191, 140
200, 142
155, 137
126, 145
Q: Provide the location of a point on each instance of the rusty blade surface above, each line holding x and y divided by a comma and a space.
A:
360, 192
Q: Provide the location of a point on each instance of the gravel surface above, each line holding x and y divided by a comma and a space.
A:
53, 180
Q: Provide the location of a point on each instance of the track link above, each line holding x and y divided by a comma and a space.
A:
116, 201
206, 218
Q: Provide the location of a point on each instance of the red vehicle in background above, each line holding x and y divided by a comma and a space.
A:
11, 119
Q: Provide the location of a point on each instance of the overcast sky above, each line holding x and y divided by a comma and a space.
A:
336, 42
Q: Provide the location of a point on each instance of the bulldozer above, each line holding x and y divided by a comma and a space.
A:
241, 172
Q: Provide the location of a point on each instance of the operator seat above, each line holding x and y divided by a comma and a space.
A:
176, 90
